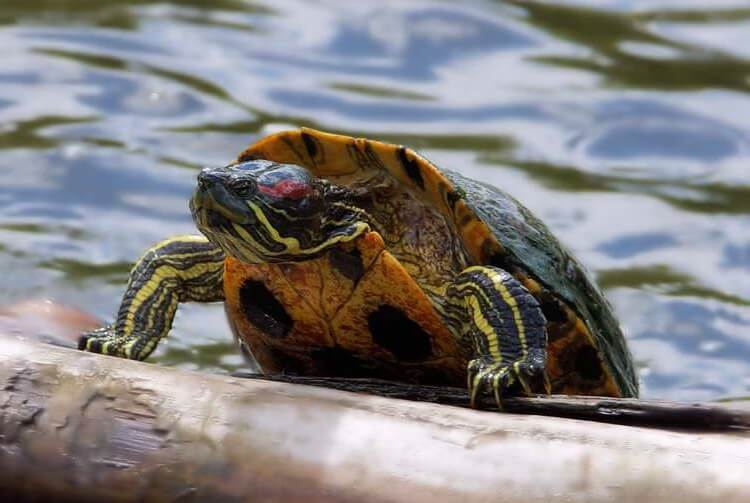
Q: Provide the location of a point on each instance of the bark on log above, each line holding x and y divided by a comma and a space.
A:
92, 428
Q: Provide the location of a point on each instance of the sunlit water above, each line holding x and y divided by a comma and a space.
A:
624, 124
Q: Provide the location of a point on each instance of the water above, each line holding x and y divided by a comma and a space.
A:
624, 124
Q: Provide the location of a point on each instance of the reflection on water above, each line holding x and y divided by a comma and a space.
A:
624, 124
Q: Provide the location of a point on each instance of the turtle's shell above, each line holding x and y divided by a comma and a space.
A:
368, 308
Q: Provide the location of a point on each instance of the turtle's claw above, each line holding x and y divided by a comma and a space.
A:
502, 379
97, 340
547, 384
497, 379
524, 383
490, 377
108, 341
471, 372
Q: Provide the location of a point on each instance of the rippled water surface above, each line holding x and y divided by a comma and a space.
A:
624, 124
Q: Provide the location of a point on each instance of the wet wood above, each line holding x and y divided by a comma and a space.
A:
86, 427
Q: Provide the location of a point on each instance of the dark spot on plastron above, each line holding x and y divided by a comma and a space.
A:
394, 331
556, 331
310, 145
553, 310
263, 310
349, 264
587, 363
411, 167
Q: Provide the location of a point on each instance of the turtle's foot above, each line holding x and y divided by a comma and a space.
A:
487, 376
108, 341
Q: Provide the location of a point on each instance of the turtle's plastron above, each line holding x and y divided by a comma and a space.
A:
379, 325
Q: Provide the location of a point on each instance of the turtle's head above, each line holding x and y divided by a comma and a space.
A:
260, 211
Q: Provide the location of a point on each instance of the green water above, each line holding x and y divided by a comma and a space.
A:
624, 124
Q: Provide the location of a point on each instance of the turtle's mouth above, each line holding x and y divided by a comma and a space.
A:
226, 221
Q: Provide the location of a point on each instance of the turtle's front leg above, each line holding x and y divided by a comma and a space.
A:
180, 269
507, 328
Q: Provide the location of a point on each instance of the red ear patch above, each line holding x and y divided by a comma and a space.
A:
289, 189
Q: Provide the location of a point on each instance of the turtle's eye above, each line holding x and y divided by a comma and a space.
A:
244, 187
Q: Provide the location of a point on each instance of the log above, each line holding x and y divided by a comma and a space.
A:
53, 323
86, 427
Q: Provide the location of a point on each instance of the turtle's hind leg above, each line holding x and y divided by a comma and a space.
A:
505, 324
180, 269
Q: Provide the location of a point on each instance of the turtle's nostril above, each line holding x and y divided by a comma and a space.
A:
207, 178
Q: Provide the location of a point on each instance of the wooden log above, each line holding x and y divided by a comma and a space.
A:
86, 427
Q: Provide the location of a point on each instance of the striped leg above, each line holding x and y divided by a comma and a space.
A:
507, 327
181, 269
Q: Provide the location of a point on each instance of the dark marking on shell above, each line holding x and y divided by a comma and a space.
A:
349, 264
311, 145
411, 167
247, 157
290, 145
356, 156
465, 220
393, 330
263, 310
587, 363
453, 197
373, 158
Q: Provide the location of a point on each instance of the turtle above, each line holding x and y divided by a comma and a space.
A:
349, 257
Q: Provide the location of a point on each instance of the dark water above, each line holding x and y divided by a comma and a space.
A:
624, 124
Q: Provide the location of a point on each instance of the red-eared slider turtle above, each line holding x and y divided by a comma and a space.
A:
339, 256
